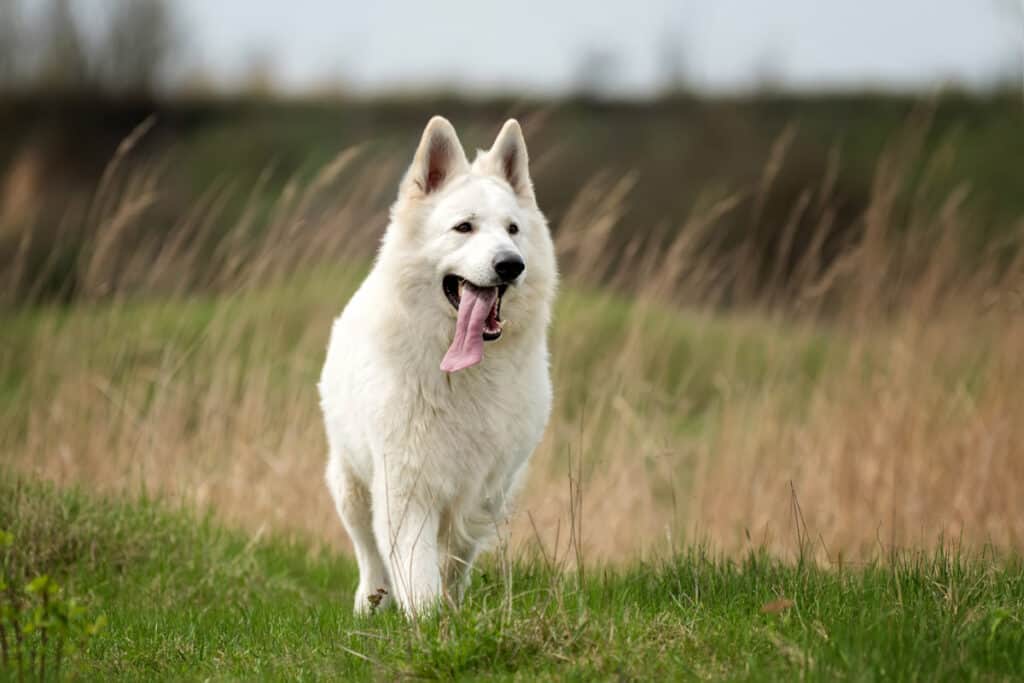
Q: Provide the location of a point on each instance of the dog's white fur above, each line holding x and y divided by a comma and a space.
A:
422, 463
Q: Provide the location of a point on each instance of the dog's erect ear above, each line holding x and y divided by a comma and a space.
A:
438, 159
508, 159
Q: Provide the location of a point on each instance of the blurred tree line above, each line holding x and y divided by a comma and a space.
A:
121, 46
74, 84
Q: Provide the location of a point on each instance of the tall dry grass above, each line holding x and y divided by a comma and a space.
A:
850, 403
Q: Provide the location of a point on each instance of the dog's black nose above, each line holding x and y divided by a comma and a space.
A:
508, 266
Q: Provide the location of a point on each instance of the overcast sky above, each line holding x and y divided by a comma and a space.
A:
539, 45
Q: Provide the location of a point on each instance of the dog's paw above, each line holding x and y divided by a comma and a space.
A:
368, 602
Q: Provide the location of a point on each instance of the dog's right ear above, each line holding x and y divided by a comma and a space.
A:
439, 158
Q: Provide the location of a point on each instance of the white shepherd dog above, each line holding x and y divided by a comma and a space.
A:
429, 439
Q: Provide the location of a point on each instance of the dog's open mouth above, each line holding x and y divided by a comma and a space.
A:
454, 286
478, 320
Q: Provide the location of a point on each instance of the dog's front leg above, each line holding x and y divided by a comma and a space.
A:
406, 529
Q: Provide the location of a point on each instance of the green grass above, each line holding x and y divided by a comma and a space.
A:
188, 600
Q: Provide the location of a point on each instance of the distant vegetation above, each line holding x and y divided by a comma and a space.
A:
785, 166
761, 340
120, 46
790, 179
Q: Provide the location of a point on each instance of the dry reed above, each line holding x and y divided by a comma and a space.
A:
879, 388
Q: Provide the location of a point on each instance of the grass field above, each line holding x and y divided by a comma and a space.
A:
186, 599
894, 432
757, 466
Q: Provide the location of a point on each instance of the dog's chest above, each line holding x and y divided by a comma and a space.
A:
471, 427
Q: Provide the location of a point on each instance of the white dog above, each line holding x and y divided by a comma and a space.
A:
429, 435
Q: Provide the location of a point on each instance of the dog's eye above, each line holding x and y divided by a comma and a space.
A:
513, 229
463, 227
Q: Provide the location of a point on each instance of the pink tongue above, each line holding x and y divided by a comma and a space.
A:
467, 348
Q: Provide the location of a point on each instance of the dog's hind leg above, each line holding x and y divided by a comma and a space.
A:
352, 500
459, 549
458, 567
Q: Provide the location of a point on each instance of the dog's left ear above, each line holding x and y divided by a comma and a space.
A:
507, 159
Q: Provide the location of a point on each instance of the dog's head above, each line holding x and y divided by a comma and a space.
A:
475, 248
